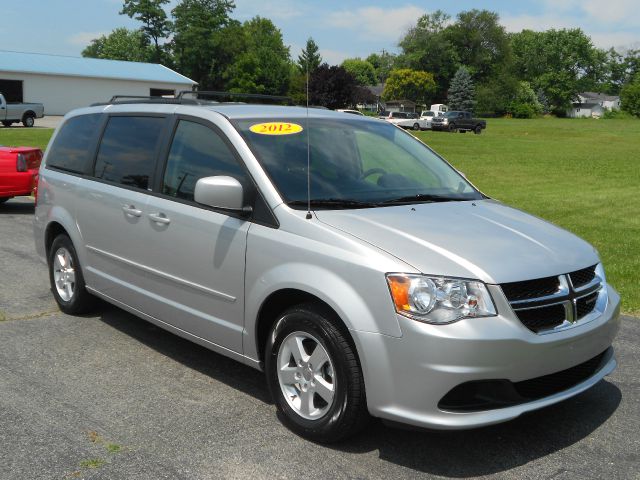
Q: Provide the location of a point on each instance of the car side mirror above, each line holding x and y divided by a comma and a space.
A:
221, 192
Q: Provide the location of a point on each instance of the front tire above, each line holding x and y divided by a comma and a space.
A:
452, 127
65, 276
478, 130
314, 375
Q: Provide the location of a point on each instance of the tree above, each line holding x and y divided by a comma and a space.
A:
155, 24
121, 44
362, 71
561, 63
310, 57
427, 47
630, 97
264, 66
382, 63
480, 42
332, 87
494, 95
205, 40
525, 104
414, 85
462, 91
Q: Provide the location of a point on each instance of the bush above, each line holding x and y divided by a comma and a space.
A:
616, 114
523, 110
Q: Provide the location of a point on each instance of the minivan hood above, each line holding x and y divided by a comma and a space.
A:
483, 239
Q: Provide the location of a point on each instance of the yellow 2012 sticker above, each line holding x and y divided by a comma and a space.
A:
276, 128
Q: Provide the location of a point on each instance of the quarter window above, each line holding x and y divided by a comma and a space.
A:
127, 152
197, 152
71, 150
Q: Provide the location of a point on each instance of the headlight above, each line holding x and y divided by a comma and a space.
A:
439, 299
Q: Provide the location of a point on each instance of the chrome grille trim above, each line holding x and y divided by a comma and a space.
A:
568, 296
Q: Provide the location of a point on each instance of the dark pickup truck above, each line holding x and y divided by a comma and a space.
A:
458, 121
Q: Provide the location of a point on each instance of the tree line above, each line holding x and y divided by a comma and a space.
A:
470, 61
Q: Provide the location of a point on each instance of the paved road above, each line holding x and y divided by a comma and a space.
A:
109, 396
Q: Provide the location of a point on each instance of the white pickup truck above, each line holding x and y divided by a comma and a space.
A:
26, 113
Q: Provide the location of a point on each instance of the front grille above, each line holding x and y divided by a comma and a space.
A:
544, 318
481, 395
583, 277
540, 287
585, 305
543, 304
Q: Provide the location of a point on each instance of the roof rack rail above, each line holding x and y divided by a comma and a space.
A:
211, 97
125, 99
231, 97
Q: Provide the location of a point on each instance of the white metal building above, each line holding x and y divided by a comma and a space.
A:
63, 83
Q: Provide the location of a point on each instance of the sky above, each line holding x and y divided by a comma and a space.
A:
341, 28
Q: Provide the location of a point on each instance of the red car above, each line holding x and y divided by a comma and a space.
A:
18, 171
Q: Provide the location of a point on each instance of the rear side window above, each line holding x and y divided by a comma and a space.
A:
72, 147
127, 153
196, 152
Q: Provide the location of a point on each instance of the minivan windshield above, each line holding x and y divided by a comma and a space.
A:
354, 163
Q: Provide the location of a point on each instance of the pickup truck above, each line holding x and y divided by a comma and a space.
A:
458, 121
26, 113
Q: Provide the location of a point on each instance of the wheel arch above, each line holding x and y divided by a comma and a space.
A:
28, 113
279, 301
52, 231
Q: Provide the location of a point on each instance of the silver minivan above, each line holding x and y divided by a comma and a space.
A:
339, 254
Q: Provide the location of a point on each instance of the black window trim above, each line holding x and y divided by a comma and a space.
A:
158, 148
163, 159
93, 148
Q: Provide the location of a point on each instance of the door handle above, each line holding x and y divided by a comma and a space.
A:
131, 210
159, 218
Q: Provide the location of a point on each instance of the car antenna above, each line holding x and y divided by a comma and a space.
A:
309, 216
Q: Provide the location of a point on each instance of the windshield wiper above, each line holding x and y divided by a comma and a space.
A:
330, 203
423, 198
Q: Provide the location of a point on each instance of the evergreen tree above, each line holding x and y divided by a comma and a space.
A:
310, 56
462, 91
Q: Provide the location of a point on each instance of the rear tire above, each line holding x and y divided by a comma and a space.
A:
65, 276
29, 120
478, 130
4, 199
314, 375
7, 124
416, 126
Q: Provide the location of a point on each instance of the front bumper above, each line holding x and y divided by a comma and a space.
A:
407, 377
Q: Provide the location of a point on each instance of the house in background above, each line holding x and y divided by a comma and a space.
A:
373, 102
64, 83
592, 104
400, 106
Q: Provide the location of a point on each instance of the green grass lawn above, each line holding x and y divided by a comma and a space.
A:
583, 175
27, 137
